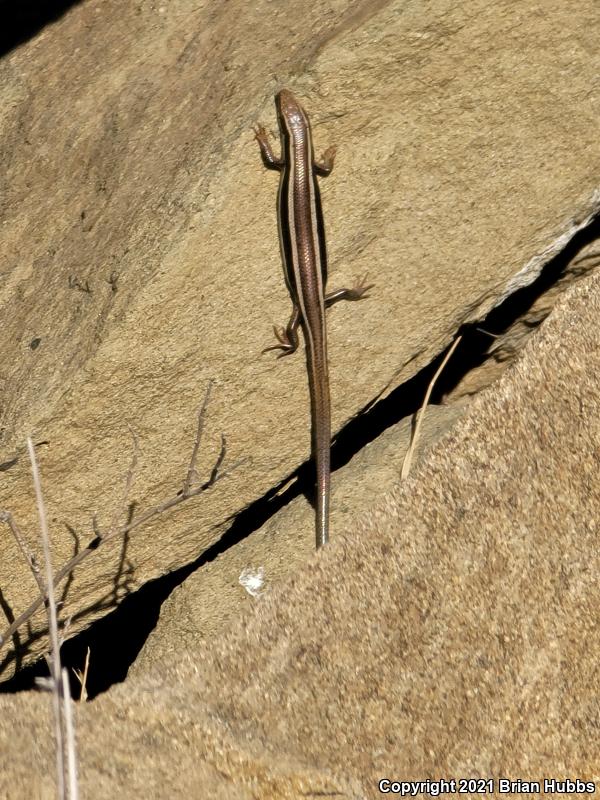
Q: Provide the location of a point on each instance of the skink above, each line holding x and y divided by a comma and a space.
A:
303, 251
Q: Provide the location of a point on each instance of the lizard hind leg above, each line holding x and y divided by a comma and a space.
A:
287, 338
356, 292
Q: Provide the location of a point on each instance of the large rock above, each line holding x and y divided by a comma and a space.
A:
451, 632
140, 256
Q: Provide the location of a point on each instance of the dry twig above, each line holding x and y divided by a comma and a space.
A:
122, 508
82, 677
7, 517
61, 698
413, 441
192, 475
71, 753
188, 491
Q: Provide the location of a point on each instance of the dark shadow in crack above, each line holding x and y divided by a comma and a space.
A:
120, 588
556, 276
23, 19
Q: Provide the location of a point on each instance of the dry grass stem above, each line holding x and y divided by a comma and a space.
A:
71, 753
55, 667
82, 677
414, 438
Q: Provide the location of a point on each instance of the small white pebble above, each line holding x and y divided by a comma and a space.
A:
252, 580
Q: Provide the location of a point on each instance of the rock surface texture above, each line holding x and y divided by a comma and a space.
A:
140, 255
451, 632
451, 627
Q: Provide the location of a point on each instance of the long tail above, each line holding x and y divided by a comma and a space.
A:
321, 438
322, 460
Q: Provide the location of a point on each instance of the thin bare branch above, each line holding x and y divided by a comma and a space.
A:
191, 473
167, 504
220, 458
63, 633
488, 333
225, 473
52, 624
71, 753
413, 442
121, 509
6, 516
